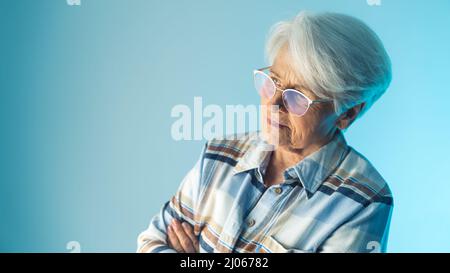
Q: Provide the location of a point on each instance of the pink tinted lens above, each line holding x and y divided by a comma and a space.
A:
264, 85
295, 102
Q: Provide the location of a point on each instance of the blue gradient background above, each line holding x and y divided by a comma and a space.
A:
86, 94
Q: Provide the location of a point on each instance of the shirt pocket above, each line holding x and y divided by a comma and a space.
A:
270, 245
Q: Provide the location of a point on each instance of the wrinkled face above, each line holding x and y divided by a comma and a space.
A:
315, 127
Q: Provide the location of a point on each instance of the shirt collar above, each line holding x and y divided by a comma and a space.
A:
311, 171
256, 155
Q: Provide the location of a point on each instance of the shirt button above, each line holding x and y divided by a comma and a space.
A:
278, 190
251, 223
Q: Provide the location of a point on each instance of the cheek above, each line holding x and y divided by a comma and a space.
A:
303, 125
309, 126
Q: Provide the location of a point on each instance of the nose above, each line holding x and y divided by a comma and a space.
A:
277, 100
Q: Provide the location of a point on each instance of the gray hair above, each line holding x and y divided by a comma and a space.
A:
338, 56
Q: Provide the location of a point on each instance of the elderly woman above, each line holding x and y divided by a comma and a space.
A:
313, 192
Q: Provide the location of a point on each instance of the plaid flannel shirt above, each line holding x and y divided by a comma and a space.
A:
333, 200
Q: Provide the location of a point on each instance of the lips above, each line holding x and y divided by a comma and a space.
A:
275, 124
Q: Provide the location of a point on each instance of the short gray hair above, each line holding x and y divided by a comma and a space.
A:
338, 56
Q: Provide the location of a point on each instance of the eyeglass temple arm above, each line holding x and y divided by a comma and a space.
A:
321, 100
264, 68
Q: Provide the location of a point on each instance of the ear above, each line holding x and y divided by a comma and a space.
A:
347, 118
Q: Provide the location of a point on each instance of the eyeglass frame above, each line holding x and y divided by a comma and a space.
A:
310, 101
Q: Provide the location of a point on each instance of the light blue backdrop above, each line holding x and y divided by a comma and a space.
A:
86, 94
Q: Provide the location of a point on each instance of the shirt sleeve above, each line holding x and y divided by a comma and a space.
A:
367, 231
181, 206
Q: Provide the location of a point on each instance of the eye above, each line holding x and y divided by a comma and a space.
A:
277, 82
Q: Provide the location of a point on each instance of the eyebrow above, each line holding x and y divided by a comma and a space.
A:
296, 86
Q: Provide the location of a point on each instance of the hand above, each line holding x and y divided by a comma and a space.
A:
181, 237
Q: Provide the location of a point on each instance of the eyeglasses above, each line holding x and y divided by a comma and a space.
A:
295, 101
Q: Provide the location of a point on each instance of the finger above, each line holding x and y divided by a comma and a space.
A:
170, 241
183, 238
190, 232
173, 240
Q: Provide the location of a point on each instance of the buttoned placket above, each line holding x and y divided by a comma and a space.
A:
273, 196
